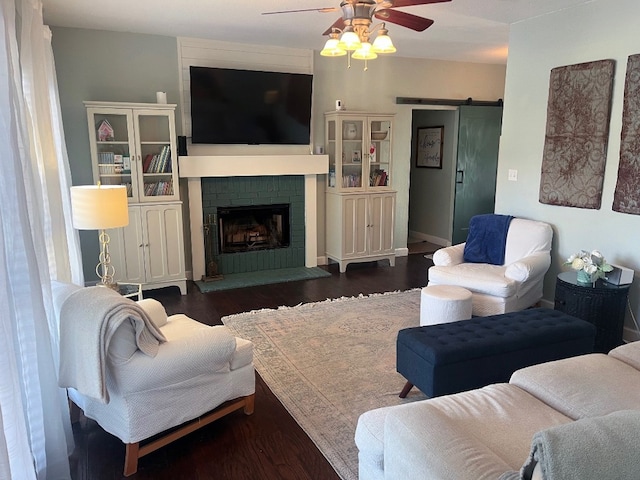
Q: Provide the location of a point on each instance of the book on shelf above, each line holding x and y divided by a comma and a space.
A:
351, 181
106, 157
147, 162
378, 178
154, 189
159, 162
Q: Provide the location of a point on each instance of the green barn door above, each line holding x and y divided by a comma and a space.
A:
478, 142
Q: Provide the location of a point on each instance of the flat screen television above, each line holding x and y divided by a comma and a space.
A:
231, 106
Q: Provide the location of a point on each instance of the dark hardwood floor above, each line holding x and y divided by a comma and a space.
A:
269, 444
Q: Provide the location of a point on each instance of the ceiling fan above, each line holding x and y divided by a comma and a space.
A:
360, 13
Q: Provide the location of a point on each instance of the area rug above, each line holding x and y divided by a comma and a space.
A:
330, 361
262, 277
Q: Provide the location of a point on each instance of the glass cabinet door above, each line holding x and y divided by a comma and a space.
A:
154, 140
331, 148
113, 147
352, 132
379, 152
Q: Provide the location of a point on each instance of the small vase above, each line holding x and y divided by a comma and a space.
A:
584, 278
350, 131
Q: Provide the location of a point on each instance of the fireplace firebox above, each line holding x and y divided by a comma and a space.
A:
254, 227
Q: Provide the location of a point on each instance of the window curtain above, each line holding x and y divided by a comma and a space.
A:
37, 244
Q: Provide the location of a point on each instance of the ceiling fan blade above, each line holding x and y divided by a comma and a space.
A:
321, 10
410, 3
413, 22
339, 24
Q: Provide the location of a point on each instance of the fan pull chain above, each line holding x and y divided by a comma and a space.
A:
349, 60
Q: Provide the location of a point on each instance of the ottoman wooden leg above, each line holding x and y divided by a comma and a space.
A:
405, 390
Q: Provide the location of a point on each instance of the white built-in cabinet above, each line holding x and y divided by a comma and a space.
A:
360, 213
134, 144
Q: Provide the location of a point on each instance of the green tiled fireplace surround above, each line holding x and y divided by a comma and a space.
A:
263, 190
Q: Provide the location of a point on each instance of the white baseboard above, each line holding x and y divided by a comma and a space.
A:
430, 238
546, 303
630, 335
322, 260
402, 252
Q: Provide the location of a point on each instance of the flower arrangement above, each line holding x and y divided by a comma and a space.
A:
590, 266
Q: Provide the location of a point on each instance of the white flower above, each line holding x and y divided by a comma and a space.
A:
593, 263
590, 269
577, 263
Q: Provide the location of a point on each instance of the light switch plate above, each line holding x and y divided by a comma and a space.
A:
513, 175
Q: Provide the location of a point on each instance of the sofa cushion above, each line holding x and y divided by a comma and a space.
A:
526, 237
477, 277
583, 387
629, 354
472, 435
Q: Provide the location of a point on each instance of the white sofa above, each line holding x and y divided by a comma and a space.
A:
488, 433
515, 285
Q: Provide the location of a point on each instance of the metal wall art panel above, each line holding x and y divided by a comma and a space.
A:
577, 130
626, 198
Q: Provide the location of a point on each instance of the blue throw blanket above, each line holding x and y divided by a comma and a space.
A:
487, 239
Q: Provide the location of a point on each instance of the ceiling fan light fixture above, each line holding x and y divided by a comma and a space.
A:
349, 41
383, 43
364, 52
332, 47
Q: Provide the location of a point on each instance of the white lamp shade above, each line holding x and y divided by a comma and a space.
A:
97, 207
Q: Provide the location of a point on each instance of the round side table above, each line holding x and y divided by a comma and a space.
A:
603, 304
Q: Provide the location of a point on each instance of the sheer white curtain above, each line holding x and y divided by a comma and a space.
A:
37, 243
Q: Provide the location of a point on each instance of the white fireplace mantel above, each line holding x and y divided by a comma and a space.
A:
194, 168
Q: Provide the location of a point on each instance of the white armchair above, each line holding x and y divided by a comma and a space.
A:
192, 375
515, 285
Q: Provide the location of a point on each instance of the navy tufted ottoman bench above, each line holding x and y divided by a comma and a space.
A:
454, 357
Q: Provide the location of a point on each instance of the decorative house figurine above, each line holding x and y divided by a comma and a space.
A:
105, 131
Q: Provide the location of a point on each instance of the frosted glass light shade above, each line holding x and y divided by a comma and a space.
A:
350, 41
97, 207
332, 49
383, 44
364, 52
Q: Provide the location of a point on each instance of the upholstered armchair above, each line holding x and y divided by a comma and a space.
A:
138, 372
515, 283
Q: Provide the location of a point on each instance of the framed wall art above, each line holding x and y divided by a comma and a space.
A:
429, 147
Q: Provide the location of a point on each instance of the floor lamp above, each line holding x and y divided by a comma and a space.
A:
99, 207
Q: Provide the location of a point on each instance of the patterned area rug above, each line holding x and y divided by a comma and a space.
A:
330, 361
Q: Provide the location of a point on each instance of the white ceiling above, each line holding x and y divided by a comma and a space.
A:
464, 30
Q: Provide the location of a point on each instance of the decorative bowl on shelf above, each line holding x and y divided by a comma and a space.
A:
378, 135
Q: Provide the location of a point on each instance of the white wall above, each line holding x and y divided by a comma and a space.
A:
598, 30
